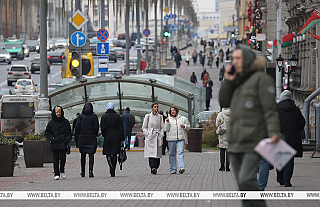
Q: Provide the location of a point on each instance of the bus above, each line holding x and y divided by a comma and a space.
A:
87, 64
17, 115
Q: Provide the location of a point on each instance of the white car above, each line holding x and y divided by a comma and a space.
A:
25, 86
26, 51
5, 56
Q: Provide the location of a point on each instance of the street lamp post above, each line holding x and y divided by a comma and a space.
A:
293, 61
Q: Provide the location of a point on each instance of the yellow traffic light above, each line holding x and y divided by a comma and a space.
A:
75, 63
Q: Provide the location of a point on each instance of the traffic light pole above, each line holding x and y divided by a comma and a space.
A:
43, 51
278, 73
138, 34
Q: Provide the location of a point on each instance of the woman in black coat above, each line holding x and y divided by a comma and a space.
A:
112, 131
58, 132
88, 127
292, 123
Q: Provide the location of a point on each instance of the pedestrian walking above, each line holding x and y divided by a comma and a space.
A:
176, 127
221, 55
217, 60
292, 124
88, 127
165, 142
210, 60
203, 73
58, 132
172, 52
128, 121
188, 57
207, 49
223, 117
228, 54
208, 95
141, 138
194, 56
153, 129
250, 94
193, 78
204, 80
221, 73
74, 131
177, 59
203, 59
112, 131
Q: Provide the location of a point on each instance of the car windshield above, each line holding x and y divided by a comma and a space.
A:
32, 43
36, 60
13, 46
61, 41
133, 60
3, 52
18, 69
24, 83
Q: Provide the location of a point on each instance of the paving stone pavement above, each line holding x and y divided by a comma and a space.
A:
201, 174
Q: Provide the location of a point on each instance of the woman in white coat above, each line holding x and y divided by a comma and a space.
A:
188, 57
176, 127
153, 129
223, 116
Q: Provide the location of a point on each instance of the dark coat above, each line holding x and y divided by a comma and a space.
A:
125, 120
193, 79
208, 93
112, 131
221, 73
88, 127
291, 123
177, 57
58, 132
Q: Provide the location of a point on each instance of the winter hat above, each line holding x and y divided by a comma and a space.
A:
110, 106
127, 109
285, 95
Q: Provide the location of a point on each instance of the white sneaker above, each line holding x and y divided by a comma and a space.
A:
56, 177
63, 175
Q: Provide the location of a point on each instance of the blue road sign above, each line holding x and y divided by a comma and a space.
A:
176, 27
212, 31
102, 48
196, 34
146, 32
171, 16
78, 39
174, 16
103, 64
191, 27
171, 27
166, 17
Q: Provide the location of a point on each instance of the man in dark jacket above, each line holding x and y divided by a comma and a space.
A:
193, 78
58, 132
221, 73
74, 131
203, 73
208, 95
88, 127
250, 94
292, 123
177, 59
112, 131
126, 127
172, 51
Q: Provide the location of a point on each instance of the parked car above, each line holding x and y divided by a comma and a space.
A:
115, 72
120, 52
133, 65
112, 55
55, 57
5, 56
32, 45
35, 65
25, 86
16, 72
61, 43
26, 51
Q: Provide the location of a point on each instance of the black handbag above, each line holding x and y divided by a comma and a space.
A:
122, 155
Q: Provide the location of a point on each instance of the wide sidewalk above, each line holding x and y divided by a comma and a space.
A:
201, 174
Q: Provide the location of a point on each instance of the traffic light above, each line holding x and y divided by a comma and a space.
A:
75, 63
232, 35
166, 32
269, 53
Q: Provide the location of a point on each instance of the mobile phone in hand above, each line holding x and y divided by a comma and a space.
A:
232, 71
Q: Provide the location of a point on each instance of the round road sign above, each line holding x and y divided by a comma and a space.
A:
146, 32
102, 35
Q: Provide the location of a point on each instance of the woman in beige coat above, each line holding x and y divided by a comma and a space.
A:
153, 129
223, 116
207, 49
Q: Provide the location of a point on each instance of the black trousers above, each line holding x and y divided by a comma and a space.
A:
83, 162
165, 145
224, 155
59, 155
207, 104
154, 162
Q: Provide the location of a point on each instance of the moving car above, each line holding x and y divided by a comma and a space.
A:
112, 55
16, 72
35, 65
115, 72
52, 45
26, 51
61, 43
5, 56
25, 86
55, 57
15, 48
31, 44
120, 52
133, 65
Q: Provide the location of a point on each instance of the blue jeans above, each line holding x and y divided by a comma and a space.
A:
176, 150
172, 56
127, 137
264, 168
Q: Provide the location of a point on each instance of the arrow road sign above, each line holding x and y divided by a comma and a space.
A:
78, 39
103, 64
166, 17
102, 48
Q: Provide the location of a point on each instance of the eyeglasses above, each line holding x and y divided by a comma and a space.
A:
155, 106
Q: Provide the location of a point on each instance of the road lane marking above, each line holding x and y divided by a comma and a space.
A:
56, 74
3, 83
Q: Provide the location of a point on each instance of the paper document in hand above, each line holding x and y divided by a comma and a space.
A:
278, 154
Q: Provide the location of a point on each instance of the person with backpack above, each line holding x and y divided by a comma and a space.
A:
193, 78
128, 121
223, 117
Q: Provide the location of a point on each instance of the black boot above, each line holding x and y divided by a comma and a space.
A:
114, 163
110, 163
227, 168
82, 171
221, 168
91, 173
